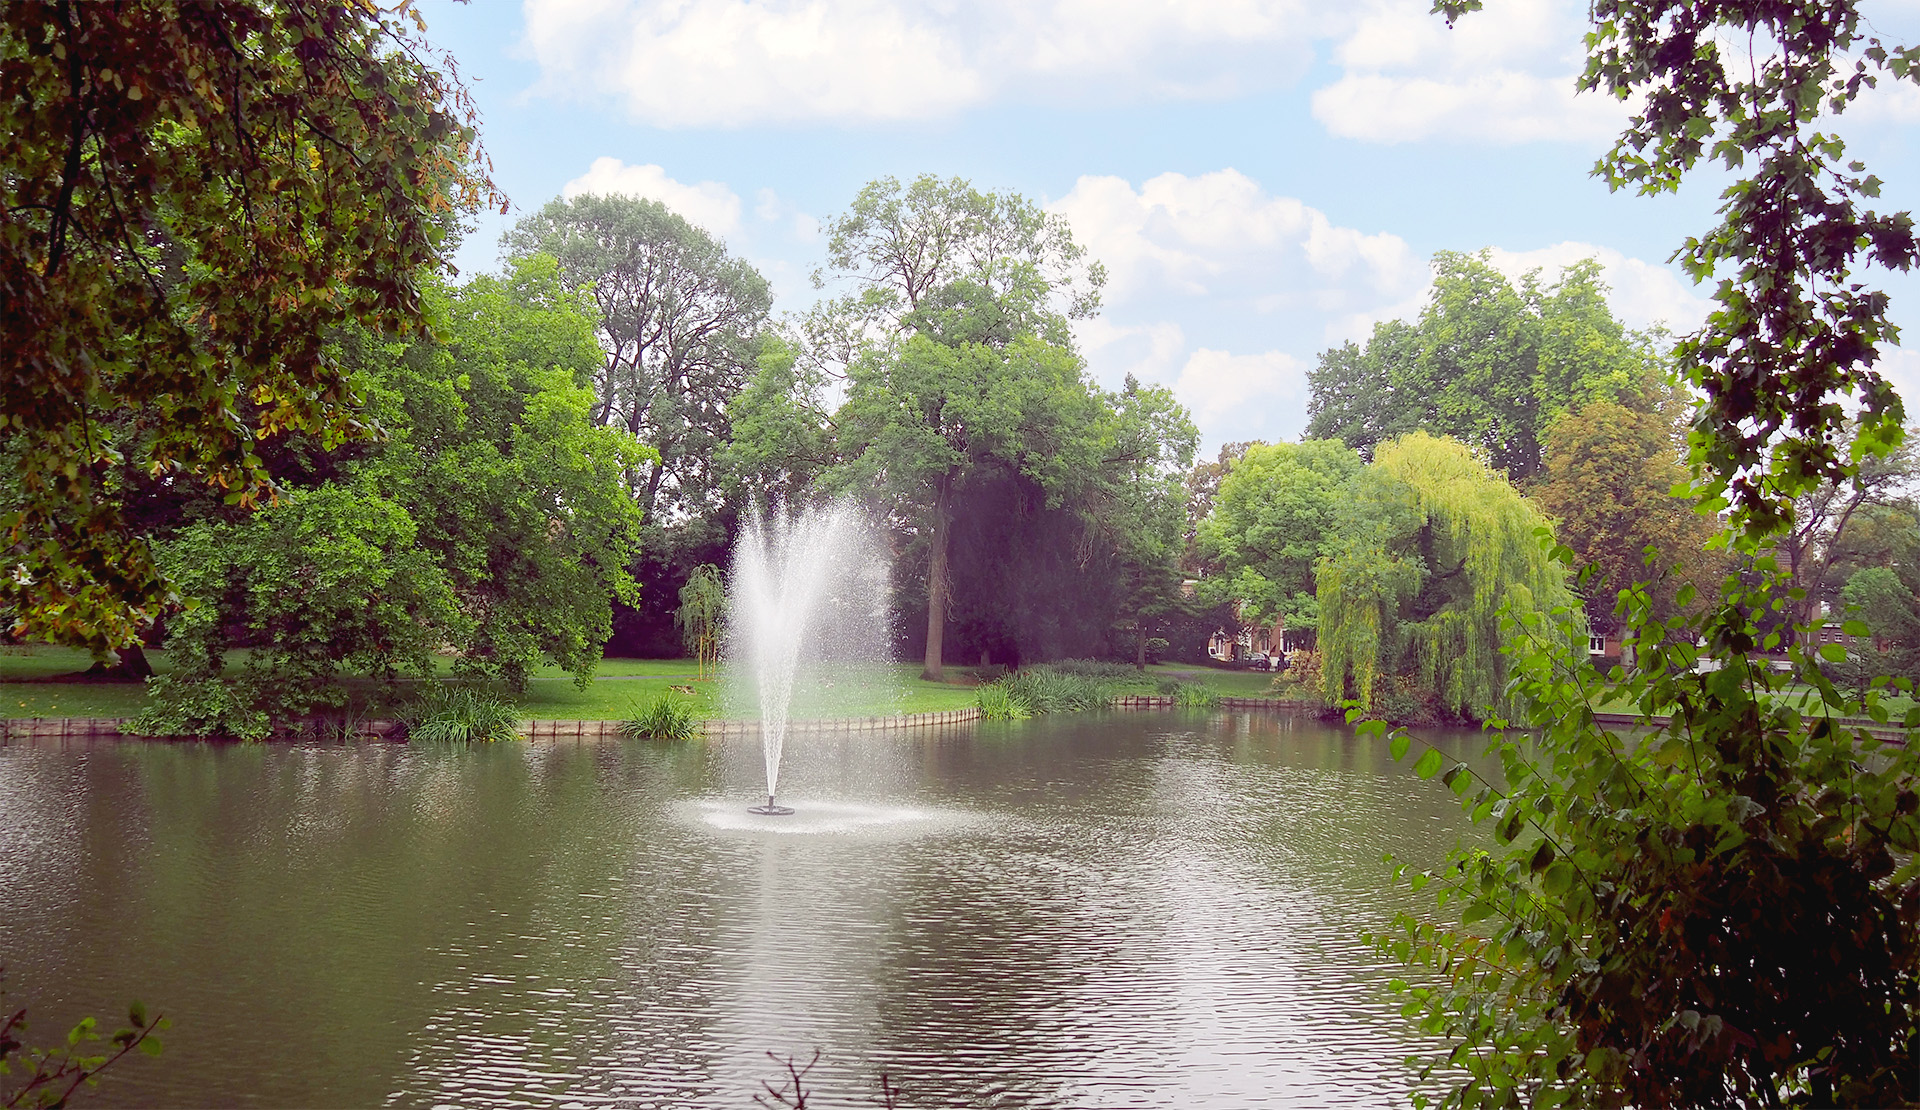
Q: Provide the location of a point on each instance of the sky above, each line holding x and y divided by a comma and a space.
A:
1262, 179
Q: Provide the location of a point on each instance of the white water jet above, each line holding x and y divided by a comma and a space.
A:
807, 598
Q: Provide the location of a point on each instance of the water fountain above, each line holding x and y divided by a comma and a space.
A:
808, 594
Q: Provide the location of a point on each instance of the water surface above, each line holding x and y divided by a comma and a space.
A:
1148, 909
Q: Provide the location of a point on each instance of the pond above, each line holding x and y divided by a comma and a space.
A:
1149, 909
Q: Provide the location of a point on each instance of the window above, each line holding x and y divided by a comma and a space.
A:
1596, 645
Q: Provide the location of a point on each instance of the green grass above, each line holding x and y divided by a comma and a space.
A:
620, 686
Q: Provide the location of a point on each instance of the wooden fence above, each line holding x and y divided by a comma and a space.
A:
896, 723
1166, 701
550, 731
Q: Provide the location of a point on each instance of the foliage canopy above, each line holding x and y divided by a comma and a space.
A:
193, 197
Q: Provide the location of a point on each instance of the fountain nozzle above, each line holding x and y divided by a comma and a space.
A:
771, 810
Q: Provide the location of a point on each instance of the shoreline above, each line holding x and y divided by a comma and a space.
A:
554, 730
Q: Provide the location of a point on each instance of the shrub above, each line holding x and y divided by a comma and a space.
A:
202, 706
1156, 649
1303, 670
462, 714
1193, 695
998, 703
664, 718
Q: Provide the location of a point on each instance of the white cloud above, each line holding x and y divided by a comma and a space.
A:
1219, 235
771, 208
1260, 265
1150, 352
710, 204
1261, 396
1504, 75
680, 63
1640, 293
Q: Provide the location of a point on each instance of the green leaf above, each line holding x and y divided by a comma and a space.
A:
1429, 763
1833, 653
1558, 878
1856, 628
1397, 747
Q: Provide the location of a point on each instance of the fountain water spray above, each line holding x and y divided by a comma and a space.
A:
808, 593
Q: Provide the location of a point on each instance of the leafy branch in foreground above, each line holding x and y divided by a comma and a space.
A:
1715, 909
48, 1077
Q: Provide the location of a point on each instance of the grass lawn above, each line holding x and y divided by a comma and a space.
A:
619, 687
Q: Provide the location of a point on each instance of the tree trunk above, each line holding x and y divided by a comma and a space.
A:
937, 584
1140, 646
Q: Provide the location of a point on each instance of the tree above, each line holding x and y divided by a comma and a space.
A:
679, 324
518, 492
910, 252
923, 425
1488, 363
1719, 910
782, 433
1272, 522
192, 198
1817, 533
324, 584
703, 607
1610, 472
1141, 504
490, 518
957, 352
1433, 546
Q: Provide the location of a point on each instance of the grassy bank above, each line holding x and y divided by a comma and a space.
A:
619, 686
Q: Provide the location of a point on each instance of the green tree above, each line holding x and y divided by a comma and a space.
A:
1489, 363
1272, 522
957, 354
192, 197
924, 254
1141, 504
491, 517
1610, 472
1433, 546
325, 584
1719, 912
703, 608
782, 433
679, 325
518, 492
922, 425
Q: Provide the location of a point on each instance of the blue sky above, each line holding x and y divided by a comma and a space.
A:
1262, 178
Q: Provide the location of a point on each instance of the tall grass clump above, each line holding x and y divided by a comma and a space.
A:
461, 714
998, 703
664, 718
1050, 690
1194, 695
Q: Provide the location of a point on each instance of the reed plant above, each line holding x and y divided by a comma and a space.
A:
664, 718
1046, 689
998, 703
463, 715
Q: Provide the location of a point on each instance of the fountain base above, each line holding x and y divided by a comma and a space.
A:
771, 810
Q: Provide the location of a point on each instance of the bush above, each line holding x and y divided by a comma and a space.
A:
461, 714
998, 703
1193, 695
1156, 650
203, 706
1303, 670
664, 718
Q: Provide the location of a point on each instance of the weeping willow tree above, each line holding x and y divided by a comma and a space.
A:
1433, 544
703, 606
